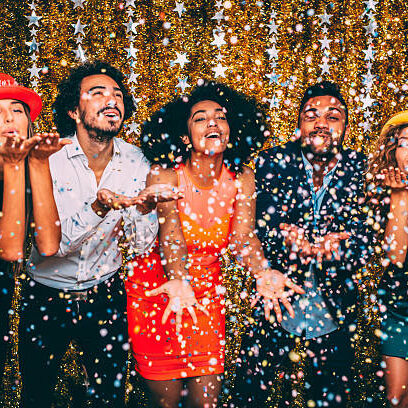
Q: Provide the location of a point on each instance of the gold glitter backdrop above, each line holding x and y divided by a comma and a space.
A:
270, 49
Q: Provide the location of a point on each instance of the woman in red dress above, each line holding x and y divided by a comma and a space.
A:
176, 307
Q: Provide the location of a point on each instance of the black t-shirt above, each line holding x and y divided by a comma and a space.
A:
4, 266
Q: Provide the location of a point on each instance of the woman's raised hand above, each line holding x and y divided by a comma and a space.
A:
394, 178
14, 149
181, 296
157, 193
48, 144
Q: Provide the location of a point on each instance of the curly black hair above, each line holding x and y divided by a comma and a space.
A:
161, 134
322, 89
69, 94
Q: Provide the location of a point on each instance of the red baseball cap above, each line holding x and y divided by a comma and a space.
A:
10, 89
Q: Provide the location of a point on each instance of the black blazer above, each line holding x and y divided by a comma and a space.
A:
284, 196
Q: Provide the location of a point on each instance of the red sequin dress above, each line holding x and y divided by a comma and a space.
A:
205, 216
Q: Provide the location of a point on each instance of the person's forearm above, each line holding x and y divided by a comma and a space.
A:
12, 220
174, 253
248, 250
46, 220
396, 237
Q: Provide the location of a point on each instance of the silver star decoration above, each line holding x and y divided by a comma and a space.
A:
272, 52
273, 15
79, 28
182, 84
219, 70
34, 71
367, 101
131, 26
325, 30
273, 77
369, 53
180, 9
135, 100
371, 4
219, 57
78, 3
133, 128
33, 19
218, 4
131, 52
219, 15
273, 27
325, 18
130, 3
34, 57
325, 43
219, 39
33, 32
79, 39
181, 59
34, 84
80, 53
130, 12
366, 126
33, 45
32, 5
368, 79
371, 27
325, 67
273, 102
133, 77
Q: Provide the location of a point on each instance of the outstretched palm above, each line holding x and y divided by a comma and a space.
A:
271, 286
181, 296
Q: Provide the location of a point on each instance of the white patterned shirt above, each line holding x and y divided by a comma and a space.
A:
89, 252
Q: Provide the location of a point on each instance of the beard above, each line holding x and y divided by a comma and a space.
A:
326, 152
98, 133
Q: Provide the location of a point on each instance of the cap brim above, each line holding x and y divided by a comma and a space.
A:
26, 95
398, 119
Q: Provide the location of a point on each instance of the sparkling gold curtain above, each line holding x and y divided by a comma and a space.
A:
270, 49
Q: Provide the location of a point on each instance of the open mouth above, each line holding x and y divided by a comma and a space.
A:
213, 135
111, 114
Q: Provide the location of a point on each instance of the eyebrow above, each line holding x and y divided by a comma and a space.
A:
204, 111
17, 103
331, 108
103, 87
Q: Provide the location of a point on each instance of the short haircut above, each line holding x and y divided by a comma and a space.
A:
161, 134
322, 89
69, 93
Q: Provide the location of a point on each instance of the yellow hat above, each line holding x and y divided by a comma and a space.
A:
400, 118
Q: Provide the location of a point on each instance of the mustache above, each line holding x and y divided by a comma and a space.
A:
320, 132
110, 108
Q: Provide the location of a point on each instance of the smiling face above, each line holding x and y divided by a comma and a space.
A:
101, 109
401, 153
323, 126
13, 119
208, 128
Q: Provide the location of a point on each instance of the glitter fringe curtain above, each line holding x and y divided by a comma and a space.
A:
270, 49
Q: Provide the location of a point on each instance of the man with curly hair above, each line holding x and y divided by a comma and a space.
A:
312, 224
78, 294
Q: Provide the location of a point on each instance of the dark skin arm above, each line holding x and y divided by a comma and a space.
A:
173, 245
271, 284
